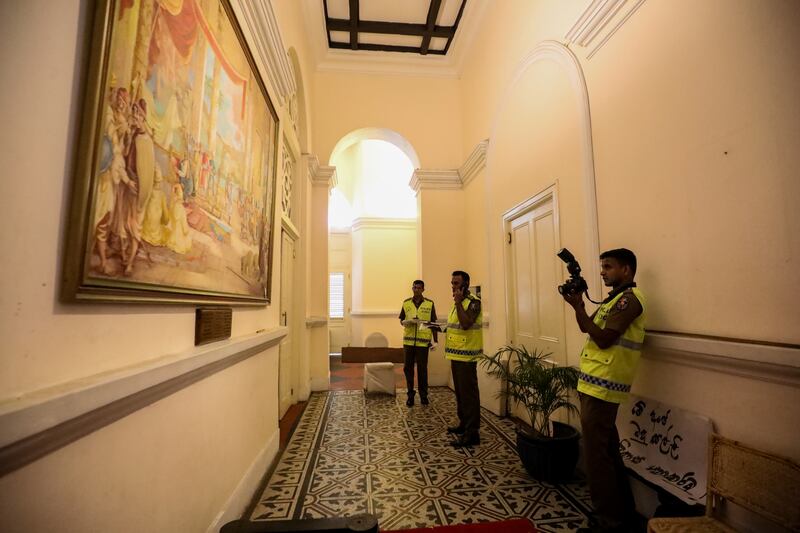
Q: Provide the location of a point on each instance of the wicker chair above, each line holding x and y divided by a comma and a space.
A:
764, 484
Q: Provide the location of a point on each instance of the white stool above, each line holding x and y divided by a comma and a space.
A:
379, 377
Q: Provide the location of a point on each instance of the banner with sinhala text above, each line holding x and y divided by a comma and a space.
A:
666, 446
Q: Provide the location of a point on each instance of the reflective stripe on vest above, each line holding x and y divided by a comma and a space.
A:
463, 344
414, 335
608, 373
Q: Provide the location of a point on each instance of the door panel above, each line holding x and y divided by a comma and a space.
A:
536, 306
521, 253
285, 358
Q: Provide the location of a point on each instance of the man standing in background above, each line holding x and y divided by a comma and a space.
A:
463, 347
417, 339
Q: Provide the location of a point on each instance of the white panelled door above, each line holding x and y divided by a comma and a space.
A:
536, 307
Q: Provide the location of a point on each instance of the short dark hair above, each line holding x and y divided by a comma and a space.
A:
464, 276
623, 257
418, 282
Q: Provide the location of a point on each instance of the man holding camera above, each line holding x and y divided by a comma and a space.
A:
417, 339
608, 365
463, 347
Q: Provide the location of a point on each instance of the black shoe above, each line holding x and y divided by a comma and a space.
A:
465, 442
410, 402
424, 400
457, 430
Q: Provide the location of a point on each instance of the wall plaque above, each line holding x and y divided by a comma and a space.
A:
212, 324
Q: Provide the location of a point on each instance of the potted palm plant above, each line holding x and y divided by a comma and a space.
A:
548, 449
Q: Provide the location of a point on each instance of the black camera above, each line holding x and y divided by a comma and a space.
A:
575, 284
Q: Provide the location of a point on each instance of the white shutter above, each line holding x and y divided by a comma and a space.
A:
336, 295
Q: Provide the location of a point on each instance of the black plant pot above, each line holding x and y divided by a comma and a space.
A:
550, 459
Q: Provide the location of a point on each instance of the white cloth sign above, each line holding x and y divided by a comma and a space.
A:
666, 446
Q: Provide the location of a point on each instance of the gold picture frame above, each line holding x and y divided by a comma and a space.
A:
175, 180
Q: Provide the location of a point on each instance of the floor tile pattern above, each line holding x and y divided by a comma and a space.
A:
352, 453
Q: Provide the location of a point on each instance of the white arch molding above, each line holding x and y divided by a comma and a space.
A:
383, 134
562, 56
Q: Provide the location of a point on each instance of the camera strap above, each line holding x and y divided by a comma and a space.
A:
613, 294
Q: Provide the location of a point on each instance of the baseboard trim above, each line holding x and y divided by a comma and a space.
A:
242, 495
320, 384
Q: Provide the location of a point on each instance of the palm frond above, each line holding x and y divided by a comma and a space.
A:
540, 386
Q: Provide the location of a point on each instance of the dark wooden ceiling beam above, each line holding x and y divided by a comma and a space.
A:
433, 14
353, 26
383, 48
396, 28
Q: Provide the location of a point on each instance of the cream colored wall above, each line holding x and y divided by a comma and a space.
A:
508, 31
676, 87
289, 15
712, 135
169, 467
477, 259
443, 248
426, 111
142, 472
384, 263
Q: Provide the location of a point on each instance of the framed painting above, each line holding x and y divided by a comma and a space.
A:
174, 188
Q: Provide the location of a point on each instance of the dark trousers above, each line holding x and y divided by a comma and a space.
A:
468, 399
418, 355
608, 480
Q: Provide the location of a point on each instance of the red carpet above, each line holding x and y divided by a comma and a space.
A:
520, 525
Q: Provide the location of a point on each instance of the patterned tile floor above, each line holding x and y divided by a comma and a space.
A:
352, 453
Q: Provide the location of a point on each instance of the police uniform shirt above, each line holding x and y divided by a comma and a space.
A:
474, 309
625, 311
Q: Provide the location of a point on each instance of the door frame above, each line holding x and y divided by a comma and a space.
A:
289, 322
550, 193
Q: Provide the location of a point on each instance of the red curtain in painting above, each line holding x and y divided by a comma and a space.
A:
183, 33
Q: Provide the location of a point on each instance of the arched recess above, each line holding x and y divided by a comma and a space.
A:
299, 102
540, 140
382, 134
561, 55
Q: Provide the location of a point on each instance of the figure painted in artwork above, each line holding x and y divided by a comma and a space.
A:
179, 237
186, 179
112, 174
156, 216
132, 199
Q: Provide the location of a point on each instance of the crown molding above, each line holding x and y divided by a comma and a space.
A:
448, 179
434, 179
393, 63
474, 163
320, 176
362, 223
599, 22
258, 17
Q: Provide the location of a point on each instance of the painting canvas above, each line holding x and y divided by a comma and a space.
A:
175, 182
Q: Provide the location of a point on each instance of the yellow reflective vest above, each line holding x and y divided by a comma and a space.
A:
608, 373
464, 344
414, 335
